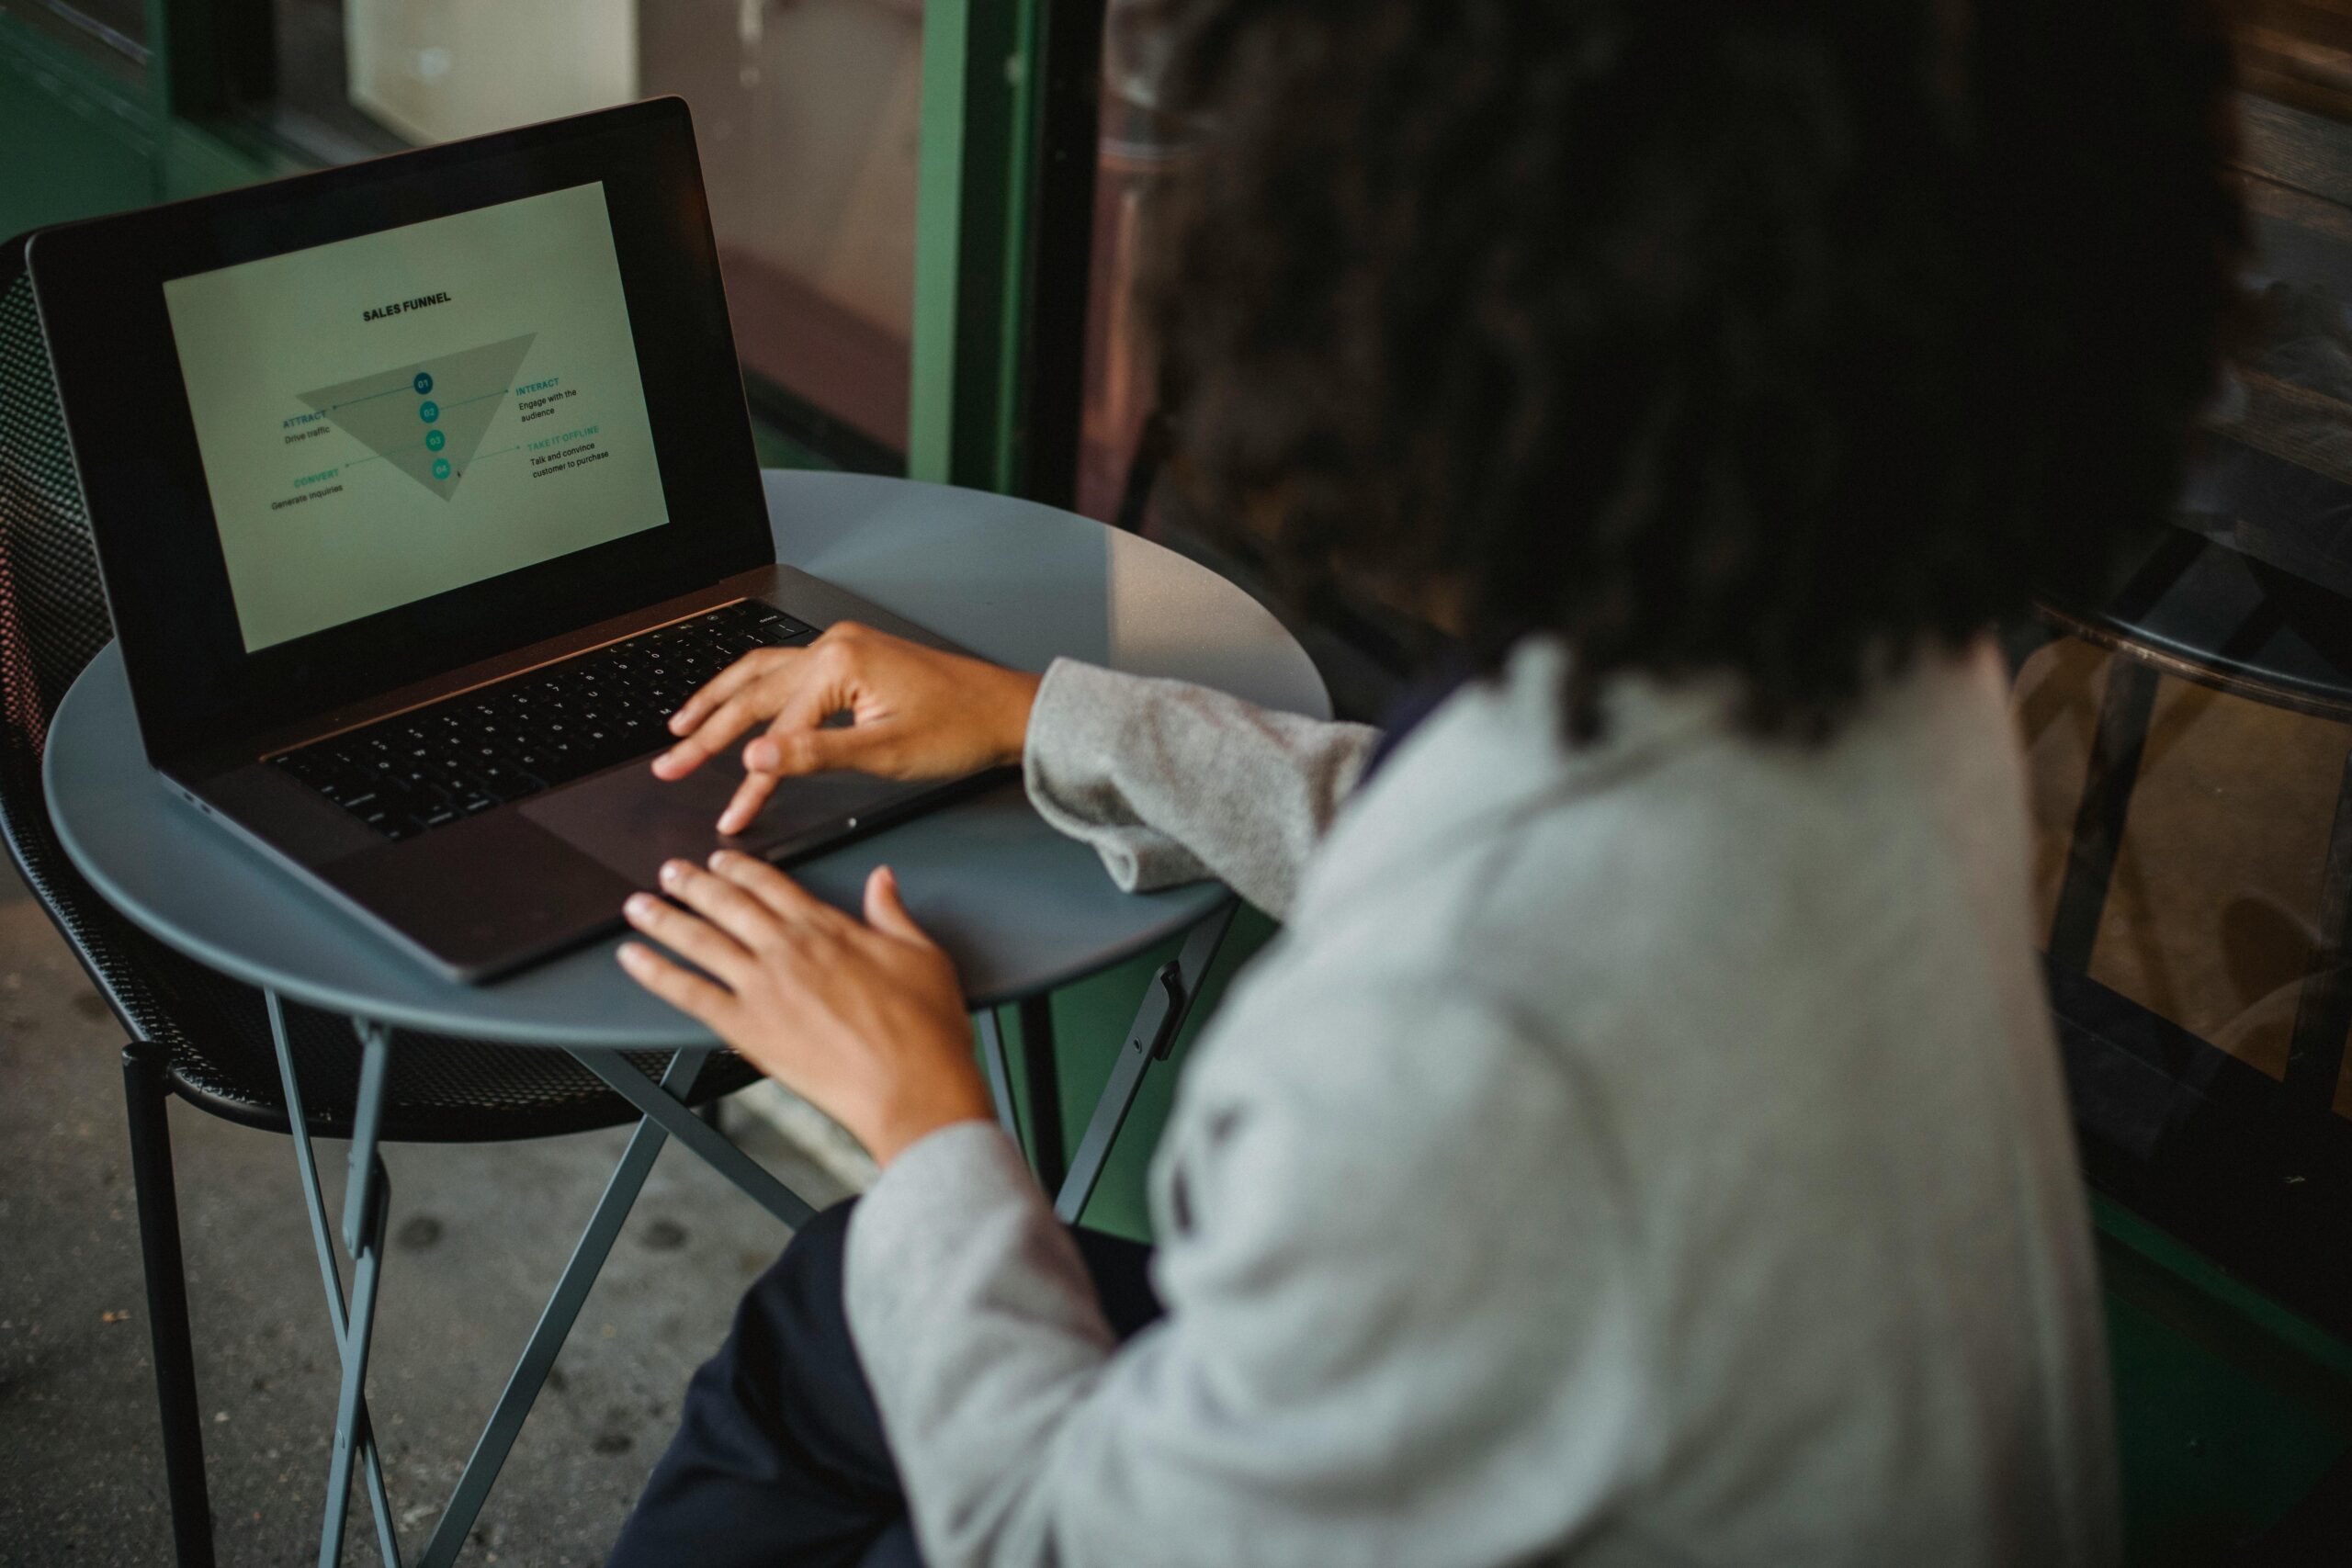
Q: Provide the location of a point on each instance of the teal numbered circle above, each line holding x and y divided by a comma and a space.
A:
435, 440
440, 467
423, 383
428, 411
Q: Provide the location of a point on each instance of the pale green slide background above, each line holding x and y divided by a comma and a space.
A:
267, 340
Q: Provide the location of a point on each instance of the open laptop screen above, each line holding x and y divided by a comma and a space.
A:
350, 431
404, 412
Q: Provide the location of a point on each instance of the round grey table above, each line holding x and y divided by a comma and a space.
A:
1022, 909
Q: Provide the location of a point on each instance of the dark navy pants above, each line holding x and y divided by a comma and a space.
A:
779, 1457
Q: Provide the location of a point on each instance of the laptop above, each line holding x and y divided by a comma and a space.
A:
424, 492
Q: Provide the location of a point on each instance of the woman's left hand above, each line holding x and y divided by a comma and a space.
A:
864, 1019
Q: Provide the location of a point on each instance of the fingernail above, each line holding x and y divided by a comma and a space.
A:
672, 873
631, 954
762, 755
678, 722
718, 858
639, 906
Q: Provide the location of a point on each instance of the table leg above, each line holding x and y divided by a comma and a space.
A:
1173, 990
1041, 1067
691, 1130
330, 1274
555, 1322
366, 1120
366, 1202
992, 1030
367, 1273
665, 1115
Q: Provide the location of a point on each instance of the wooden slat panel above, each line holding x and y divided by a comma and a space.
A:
2296, 148
2297, 51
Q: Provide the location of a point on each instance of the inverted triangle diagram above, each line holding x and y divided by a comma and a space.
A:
427, 419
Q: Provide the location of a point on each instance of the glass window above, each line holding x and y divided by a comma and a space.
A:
806, 117
113, 33
2193, 805
1358, 645
2295, 53
1140, 147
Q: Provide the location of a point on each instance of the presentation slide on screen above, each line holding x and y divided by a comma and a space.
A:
392, 416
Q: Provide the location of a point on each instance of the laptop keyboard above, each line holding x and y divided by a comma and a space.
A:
436, 765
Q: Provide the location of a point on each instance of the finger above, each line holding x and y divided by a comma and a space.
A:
791, 749
694, 939
719, 687
712, 736
787, 898
725, 905
798, 740
750, 796
887, 912
681, 988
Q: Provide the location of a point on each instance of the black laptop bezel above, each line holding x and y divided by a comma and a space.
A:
100, 288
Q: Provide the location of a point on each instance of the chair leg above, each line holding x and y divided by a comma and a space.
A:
2323, 1006
147, 1096
2123, 713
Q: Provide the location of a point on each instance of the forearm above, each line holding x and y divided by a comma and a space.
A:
1323, 1388
1171, 782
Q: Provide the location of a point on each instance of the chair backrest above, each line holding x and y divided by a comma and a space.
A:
52, 621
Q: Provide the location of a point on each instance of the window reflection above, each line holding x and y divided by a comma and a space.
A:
111, 32
806, 117
1141, 147
2226, 846
805, 111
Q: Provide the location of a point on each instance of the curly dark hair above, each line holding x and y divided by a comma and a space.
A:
1775, 337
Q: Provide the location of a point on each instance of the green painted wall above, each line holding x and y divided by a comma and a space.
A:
2228, 1408
76, 148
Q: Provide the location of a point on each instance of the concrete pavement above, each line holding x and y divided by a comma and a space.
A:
480, 1234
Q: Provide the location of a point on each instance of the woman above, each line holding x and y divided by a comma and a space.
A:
1645, 1144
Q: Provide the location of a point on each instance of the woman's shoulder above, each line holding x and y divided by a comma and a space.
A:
1489, 834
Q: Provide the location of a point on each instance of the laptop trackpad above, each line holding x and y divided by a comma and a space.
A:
632, 821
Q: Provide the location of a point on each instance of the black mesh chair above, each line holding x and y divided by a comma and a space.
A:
193, 1032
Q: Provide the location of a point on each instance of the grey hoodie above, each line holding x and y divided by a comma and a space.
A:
1643, 1152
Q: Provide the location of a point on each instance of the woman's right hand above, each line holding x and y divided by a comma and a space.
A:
913, 713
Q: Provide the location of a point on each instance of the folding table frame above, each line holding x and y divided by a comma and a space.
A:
1174, 988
